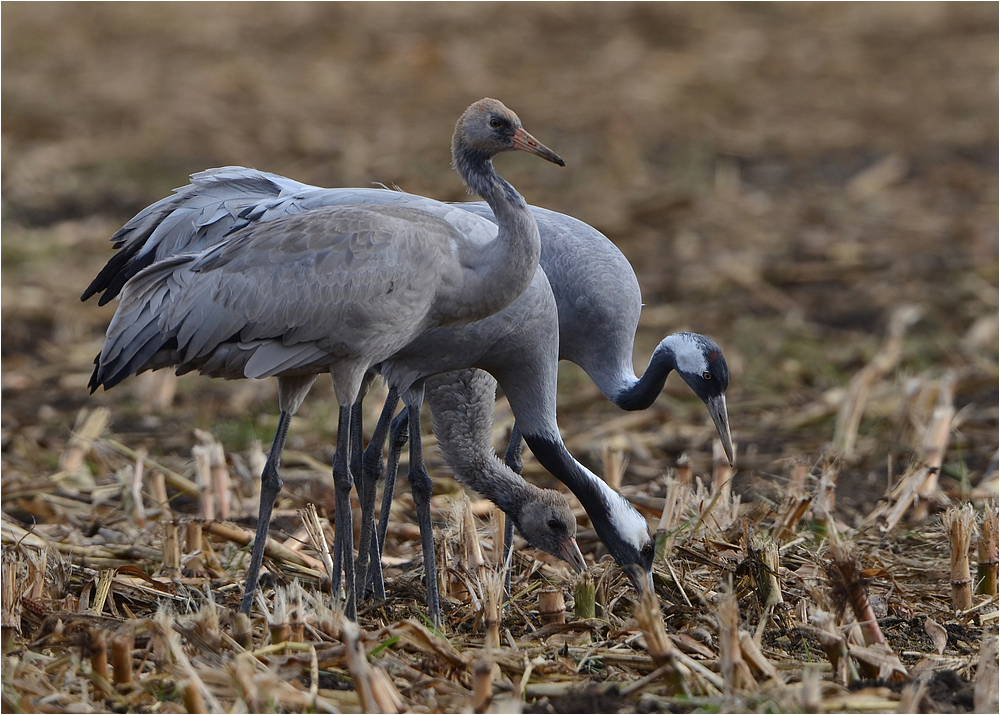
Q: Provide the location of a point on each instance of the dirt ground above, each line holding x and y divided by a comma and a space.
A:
814, 186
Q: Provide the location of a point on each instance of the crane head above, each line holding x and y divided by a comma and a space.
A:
488, 128
547, 523
700, 363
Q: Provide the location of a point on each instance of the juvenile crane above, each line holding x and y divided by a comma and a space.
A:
338, 289
461, 404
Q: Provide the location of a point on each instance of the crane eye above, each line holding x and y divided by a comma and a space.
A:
495, 122
554, 524
707, 375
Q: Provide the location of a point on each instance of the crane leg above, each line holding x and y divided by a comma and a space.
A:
343, 532
270, 485
397, 440
422, 488
512, 457
357, 438
371, 472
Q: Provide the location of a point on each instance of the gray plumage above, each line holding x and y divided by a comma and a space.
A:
337, 288
461, 404
597, 303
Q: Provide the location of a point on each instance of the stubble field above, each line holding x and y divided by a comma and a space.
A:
814, 186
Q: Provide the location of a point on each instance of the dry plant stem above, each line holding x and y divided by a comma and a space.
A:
650, 619
498, 526
959, 524
614, 466
193, 544
938, 433
243, 630
158, 490
272, 549
193, 700
684, 475
220, 479
121, 658
766, 571
10, 603
314, 527
103, 589
551, 605
93, 425
832, 643
482, 677
852, 408
735, 672
171, 552
493, 585
135, 490
722, 472
172, 478
846, 573
203, 470
752, 656
585, 597
825, 502
677, 496
985, 696
987, 550
98, 648
375, 691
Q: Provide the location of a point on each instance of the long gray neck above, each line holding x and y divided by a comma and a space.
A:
462, 403
498, 271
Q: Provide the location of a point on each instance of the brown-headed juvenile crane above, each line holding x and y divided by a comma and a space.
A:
336, 289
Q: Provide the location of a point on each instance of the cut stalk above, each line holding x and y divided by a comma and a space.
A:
585, 597
551, 605
121, 659
960, 524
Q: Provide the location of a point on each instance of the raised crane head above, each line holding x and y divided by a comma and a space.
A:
547, 523
488, 128
699, 361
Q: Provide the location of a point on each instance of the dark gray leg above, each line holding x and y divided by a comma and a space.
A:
398, 434
512, 457
270, 485
422, 487
357, 438
371, 472
343, 532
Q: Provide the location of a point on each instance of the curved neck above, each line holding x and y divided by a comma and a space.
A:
614, 519
641, 393
498, 271
461, 404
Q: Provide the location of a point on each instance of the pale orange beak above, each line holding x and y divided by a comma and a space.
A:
525, 142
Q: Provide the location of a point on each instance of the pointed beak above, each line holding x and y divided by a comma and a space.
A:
640, 578
569, 551
525, 142
720, 416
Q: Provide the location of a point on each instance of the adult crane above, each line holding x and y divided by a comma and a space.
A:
336, 289
599, 303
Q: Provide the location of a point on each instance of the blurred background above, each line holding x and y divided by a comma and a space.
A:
785, 178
